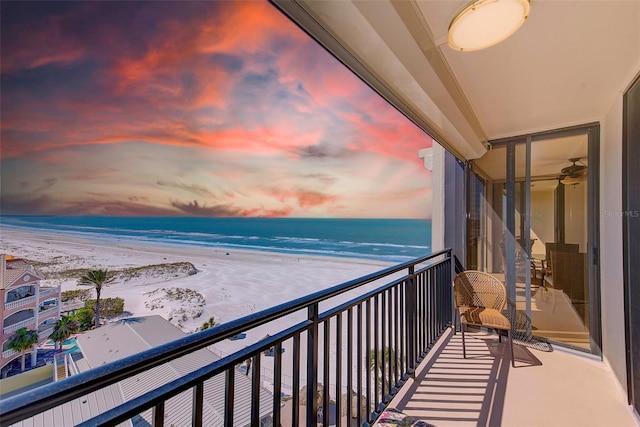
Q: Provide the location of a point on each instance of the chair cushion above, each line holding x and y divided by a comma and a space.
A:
393, 418
481, 316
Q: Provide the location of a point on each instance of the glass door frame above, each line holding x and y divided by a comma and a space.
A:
592, 131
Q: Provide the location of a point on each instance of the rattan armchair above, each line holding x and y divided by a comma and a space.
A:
480, 299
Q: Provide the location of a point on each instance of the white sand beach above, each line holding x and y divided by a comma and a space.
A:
228, 284
232, 283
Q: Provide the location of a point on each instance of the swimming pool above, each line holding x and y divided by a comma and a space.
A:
69, 346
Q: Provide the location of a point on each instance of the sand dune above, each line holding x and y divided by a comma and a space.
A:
232, 283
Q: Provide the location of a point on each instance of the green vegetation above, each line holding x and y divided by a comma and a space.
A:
97, 279
109, 307
208, 324
175, 269
21, 341
84, 318
386, 367
64, 328
172, 269
76, 294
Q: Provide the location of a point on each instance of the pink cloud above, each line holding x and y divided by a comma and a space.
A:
44, 43
304, 198
235, 80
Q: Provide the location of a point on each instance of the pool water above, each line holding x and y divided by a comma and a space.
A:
70, 341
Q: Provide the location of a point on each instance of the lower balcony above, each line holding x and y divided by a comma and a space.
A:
20, 324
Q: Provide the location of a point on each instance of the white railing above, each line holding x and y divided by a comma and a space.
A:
16, 326
18, 303
71, 365
8, 353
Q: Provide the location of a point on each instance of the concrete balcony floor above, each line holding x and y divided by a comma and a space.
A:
558, 388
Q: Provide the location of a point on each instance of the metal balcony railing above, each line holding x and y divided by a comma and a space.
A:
361, 340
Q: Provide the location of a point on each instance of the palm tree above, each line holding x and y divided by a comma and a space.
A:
64, 327
385, 369
97, 279
22, 341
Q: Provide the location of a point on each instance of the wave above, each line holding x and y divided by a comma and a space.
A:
387, 240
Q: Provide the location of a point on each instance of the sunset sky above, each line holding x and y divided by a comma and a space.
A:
193, 108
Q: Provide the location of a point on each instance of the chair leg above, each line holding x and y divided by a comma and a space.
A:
510, 336
455, 322
464, 350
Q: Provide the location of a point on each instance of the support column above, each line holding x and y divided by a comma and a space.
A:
448, 200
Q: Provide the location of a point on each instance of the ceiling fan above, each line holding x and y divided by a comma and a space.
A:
574, 169
574, 174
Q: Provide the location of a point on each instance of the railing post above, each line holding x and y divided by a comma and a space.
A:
256, 376
230, 396
411, 319
277, 383
312, 364
158, 414
197, 408
452, 275
295, 382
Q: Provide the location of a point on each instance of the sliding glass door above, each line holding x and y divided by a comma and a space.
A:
538, 218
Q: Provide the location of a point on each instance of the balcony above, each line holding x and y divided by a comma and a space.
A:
20, 302
557, 388
8, 353
15, 299
21, 324
44, 314
391, 332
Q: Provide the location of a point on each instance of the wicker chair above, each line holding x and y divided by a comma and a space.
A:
480, 299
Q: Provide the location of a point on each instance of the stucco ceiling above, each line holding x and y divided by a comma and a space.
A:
564, 67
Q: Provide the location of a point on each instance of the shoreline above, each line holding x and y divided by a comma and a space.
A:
232, 286
135, 243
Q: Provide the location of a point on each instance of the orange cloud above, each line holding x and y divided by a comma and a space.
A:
304, 198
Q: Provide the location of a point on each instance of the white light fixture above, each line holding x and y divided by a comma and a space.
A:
483, 23
573, 180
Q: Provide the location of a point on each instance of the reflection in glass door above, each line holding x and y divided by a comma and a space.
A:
535, 219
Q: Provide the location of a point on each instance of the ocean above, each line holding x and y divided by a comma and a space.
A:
394, 240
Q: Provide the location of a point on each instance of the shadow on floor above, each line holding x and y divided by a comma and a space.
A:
449, 389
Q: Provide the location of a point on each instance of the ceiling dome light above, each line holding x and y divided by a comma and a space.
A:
483, 23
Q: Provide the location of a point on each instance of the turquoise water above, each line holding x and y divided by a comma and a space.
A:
382, 239
72, 342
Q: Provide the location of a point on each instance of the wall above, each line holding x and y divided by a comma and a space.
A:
542, 225
33, 376
447, 215
611, 267
575, 215
455, 209
434, 161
